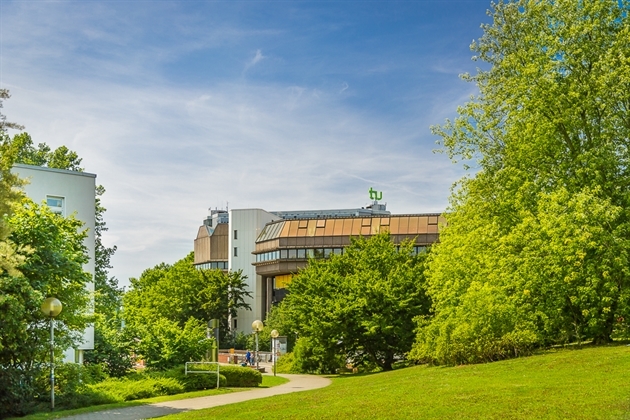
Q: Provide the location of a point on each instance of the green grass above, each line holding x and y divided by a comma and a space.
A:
588, 383
268, 381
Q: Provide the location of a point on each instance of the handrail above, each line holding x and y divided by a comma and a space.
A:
202, 371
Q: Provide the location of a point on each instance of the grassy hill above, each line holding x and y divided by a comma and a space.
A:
587, 383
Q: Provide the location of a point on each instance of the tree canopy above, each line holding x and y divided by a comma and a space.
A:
359, 306
536, 247
168, 308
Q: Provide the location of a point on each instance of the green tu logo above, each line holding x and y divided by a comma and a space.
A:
375, 195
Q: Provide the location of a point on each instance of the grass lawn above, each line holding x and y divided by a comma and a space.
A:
587, 383
268, 381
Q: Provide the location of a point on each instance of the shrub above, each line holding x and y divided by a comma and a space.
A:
238, 376
127, 390
195, 381
287, 364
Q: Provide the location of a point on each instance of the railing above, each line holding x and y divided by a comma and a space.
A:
187, 371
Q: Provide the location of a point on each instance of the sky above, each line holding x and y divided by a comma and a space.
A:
182, 106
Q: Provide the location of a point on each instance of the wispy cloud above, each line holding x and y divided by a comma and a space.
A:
156, 104
258, 57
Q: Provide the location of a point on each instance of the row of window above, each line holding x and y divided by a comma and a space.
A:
221, 265
289, 254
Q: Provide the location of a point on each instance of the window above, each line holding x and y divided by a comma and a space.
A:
55, 204
235, 234
236, 251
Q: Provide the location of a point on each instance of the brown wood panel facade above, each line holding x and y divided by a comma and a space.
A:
213, 247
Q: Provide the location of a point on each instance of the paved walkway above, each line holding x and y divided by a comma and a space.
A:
296, 383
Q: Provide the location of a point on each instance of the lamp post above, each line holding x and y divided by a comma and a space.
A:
51, 307
257, 326
274, 336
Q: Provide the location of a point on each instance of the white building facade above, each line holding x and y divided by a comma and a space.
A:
66, 193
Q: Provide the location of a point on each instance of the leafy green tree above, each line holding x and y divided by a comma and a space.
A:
180, 300
536, 247
358, 306
53, 267
9, 192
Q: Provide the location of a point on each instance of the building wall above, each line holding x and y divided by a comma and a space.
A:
77, 189
248, 223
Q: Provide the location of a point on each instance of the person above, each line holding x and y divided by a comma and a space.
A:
248, 357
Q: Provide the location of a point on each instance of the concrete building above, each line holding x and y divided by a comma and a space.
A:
270, 247
66, 193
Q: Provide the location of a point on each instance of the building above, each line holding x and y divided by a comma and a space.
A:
270, 247
66, 193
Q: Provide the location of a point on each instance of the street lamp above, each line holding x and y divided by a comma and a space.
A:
274, 336
257, 326
51, 307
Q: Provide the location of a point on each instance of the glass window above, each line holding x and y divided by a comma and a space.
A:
236, 233
301, 253
55, 204
327, 252
310, 253
292, 253
319, 253
284, 254
337, 251
236, 251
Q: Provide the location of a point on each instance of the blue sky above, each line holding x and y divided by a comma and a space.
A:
179, 106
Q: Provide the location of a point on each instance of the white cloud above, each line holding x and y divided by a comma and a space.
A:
258, 57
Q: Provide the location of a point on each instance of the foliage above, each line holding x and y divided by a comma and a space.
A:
567, 384
535, 250
54, 267
113, 346
42, 155
238, 376
125, 389
168, 309
196, 381
286, 364
357, 306
10, 195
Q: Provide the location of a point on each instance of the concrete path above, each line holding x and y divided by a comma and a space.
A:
296, 383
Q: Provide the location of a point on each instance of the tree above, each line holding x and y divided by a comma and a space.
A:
359, 306
52, 267
180, 299
9, 192
541, 229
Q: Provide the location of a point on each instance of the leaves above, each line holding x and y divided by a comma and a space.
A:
536, 247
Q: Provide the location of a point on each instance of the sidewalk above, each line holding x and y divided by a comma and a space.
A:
296, 383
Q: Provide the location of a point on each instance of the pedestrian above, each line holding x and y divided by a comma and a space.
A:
248, 357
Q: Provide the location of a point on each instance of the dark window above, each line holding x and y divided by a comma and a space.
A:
235, 251
235, 234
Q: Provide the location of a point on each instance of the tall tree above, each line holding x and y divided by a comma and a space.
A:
359, 306
181, 300
9, 192
53, 267
538, 236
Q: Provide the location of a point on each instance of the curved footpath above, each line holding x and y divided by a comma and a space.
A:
296, 383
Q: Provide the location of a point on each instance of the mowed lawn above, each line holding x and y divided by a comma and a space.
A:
587, 383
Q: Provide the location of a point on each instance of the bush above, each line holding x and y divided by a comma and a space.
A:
195, 381
238, 376
286, 364
147, 387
